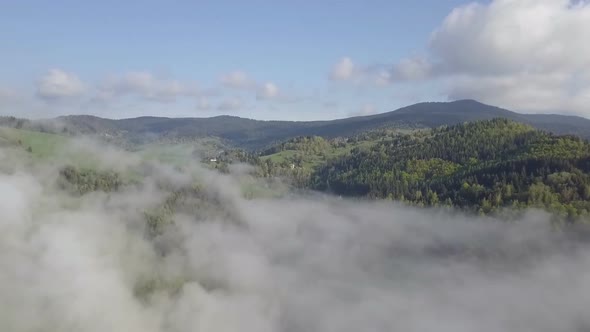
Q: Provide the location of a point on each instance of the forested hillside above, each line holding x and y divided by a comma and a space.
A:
482, 166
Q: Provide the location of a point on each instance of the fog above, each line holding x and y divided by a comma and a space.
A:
294, 263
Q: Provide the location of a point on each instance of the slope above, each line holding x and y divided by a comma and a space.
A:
483, 165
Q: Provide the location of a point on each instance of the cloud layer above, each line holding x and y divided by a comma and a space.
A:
297, 263
138, 93
147, 86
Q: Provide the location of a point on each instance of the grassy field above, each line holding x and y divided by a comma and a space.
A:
179, 154
41, 145
310, 161
46, 147
174, 154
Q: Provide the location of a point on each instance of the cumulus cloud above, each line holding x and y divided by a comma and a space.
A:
526, 91
241, 81
369, 75
343, 70
147, 86
136, 93
59, 84
292, 263
528, 55
508, 36
268, 90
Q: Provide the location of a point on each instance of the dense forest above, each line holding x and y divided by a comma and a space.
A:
483, 166
82, 181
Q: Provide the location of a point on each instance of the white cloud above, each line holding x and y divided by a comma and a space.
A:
238, 80
383, 77
268, 90
514, 35
292, 263
264, 91
147, 86
374, 75
58, 84
136, 93
524, 91
343, 70
528, 55
415, 68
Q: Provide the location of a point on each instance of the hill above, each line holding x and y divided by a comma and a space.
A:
40, 145
485, 166
255, 134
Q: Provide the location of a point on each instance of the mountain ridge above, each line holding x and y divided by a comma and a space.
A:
399, 110
255, 134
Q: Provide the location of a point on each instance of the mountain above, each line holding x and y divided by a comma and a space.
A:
256, 134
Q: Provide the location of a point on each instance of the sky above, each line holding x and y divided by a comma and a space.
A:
290, 60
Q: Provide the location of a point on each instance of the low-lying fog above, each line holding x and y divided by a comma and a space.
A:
286, 264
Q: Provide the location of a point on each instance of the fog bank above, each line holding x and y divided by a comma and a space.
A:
290, 264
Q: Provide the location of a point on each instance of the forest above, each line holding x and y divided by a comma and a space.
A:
482, 166
486, 167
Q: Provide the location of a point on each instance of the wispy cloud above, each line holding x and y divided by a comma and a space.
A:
268, 90
343, 70
146, 85
58, 84
241, 81
297, 263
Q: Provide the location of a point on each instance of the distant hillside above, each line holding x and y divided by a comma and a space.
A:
255, 134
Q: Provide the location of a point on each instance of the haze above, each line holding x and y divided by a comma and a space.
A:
430, 170
284, 264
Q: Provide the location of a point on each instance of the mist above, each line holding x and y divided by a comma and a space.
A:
291, 263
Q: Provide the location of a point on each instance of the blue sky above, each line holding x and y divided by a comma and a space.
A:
296, 60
